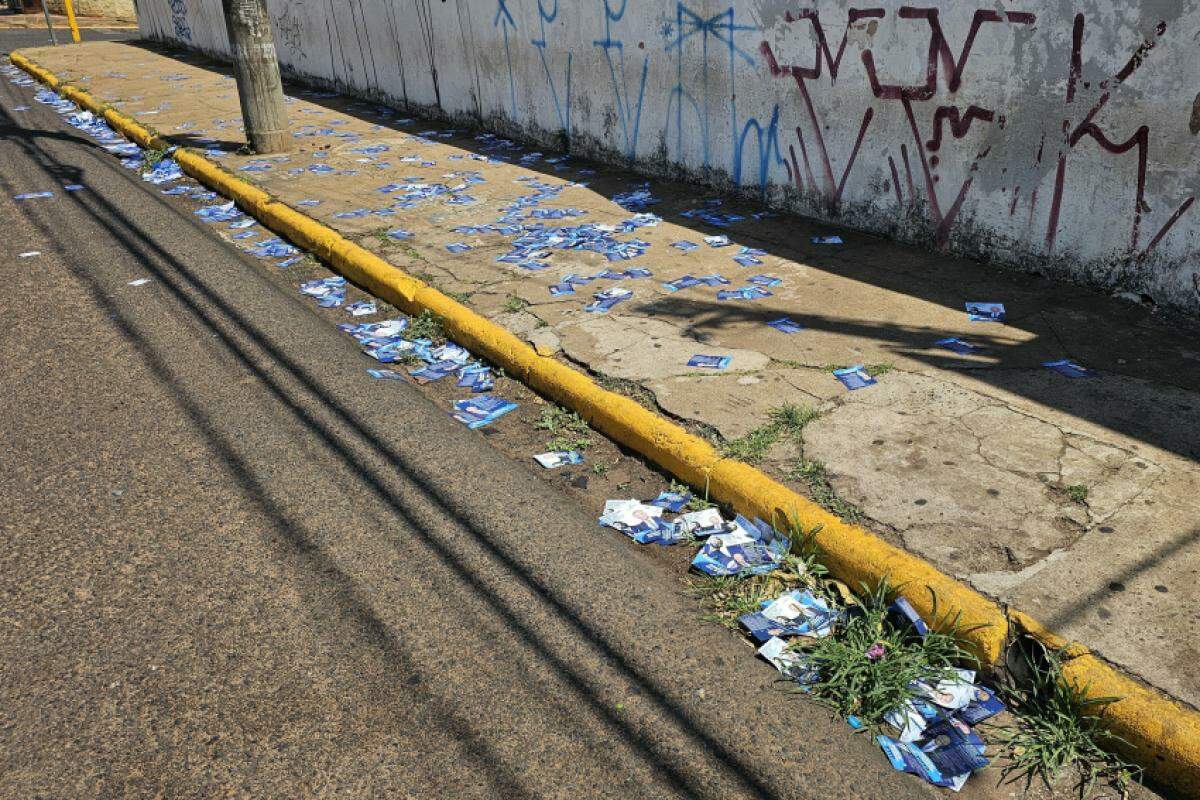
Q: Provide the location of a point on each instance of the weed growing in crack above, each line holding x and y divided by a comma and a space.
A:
1057, 725
513, 304
1077, 492
752, 447
791, 419
813, 473
381, 234
567, 429
871, 688
788, 420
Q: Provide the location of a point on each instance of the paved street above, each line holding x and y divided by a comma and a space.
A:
234, 566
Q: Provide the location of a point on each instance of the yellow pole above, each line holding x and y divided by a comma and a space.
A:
71, 20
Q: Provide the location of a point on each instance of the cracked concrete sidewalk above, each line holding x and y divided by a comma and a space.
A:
1075, 500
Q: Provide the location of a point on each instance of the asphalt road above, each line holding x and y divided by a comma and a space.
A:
233, 565
40, 37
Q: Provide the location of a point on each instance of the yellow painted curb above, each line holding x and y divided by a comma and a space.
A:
1164, 736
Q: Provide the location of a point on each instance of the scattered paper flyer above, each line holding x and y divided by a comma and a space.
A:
786, 325
559, 458
956, 345
855, 377
709, 362
1069, 368
985, 312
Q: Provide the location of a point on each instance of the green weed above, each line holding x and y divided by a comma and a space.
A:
567, 429
870, 688
426, 326
1057, 726
513, 304
791, 419
752, 447
813, 473
1077, 492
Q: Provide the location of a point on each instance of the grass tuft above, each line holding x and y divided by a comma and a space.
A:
1057, 726
426, 326
791, 419
513, 304
852, 683
752, 447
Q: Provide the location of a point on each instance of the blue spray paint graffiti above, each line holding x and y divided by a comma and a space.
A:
631, 119
722, 28
505, 20
179, 17
563, 110
767, 140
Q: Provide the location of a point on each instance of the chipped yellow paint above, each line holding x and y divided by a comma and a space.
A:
1163, 736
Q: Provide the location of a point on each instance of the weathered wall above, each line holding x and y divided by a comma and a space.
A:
1053, 135
113, 9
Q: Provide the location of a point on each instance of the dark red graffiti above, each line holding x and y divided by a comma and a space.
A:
959, 125
1088, 128
832, 191
896, 181
833, 188
833, 62
942, 222
939, 50
1179, 212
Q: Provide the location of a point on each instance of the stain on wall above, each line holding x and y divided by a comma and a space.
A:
1046, 135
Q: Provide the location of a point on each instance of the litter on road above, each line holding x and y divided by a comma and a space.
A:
559, 458
480, 411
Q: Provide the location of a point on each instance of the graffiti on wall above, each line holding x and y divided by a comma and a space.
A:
932, 121
179, 18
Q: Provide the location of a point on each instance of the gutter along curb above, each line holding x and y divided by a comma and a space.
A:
1163, 736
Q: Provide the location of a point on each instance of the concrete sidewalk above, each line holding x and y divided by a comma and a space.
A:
1077, 500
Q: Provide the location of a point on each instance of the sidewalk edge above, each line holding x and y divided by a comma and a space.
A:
1163, 736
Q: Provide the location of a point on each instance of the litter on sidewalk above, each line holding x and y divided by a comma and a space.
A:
1069, 368
480, 411
786, 325
956, 345
855, 377
709, 362
985, 312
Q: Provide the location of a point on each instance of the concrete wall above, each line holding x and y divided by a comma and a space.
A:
1046, 134
113, 9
